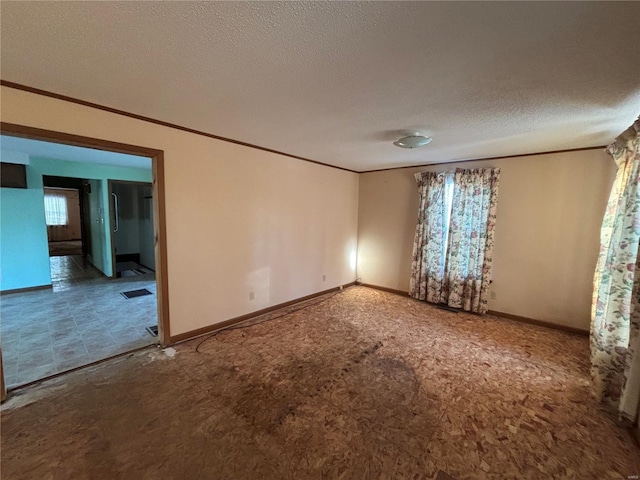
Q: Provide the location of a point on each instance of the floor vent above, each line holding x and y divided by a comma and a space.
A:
136, 293
448, 308
153, 330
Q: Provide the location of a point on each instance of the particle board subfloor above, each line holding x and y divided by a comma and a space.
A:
365, 384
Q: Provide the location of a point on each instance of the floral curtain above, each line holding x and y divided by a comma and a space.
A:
630, 397
429, 246
452, 250
615, 317
471, 239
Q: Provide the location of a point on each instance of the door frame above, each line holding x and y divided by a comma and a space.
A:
159, 211
113, 212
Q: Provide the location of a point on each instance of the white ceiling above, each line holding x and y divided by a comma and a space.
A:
337, 82
11, 148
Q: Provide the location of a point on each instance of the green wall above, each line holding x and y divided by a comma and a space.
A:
98, 233
24, 251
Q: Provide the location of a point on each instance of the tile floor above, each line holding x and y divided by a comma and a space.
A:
83, 318
365, 385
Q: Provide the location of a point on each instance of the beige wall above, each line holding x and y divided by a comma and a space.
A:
238, 219
241, 220
550, 208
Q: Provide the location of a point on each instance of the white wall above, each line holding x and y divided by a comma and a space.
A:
630, 401
238, 219
550, 209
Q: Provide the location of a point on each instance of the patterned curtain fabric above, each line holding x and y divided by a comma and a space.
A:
615, 315
429, 246
471, 238
630, 397
452, 259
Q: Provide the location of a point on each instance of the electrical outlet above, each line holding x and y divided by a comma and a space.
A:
324, 278
251, 295
493, 295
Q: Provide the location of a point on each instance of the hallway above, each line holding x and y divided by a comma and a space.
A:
81, 319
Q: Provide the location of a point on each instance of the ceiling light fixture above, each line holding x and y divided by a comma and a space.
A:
414, 140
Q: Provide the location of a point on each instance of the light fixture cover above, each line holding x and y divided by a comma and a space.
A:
412, 141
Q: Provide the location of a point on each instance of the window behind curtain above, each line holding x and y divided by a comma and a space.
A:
448, 205
55, 209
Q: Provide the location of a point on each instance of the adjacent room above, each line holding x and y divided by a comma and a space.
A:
320, 240
76, 229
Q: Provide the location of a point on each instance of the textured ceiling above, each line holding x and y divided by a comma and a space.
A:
9, 146
338, 82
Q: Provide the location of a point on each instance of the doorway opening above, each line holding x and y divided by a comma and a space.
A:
66, 205
132, 228
96, 251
